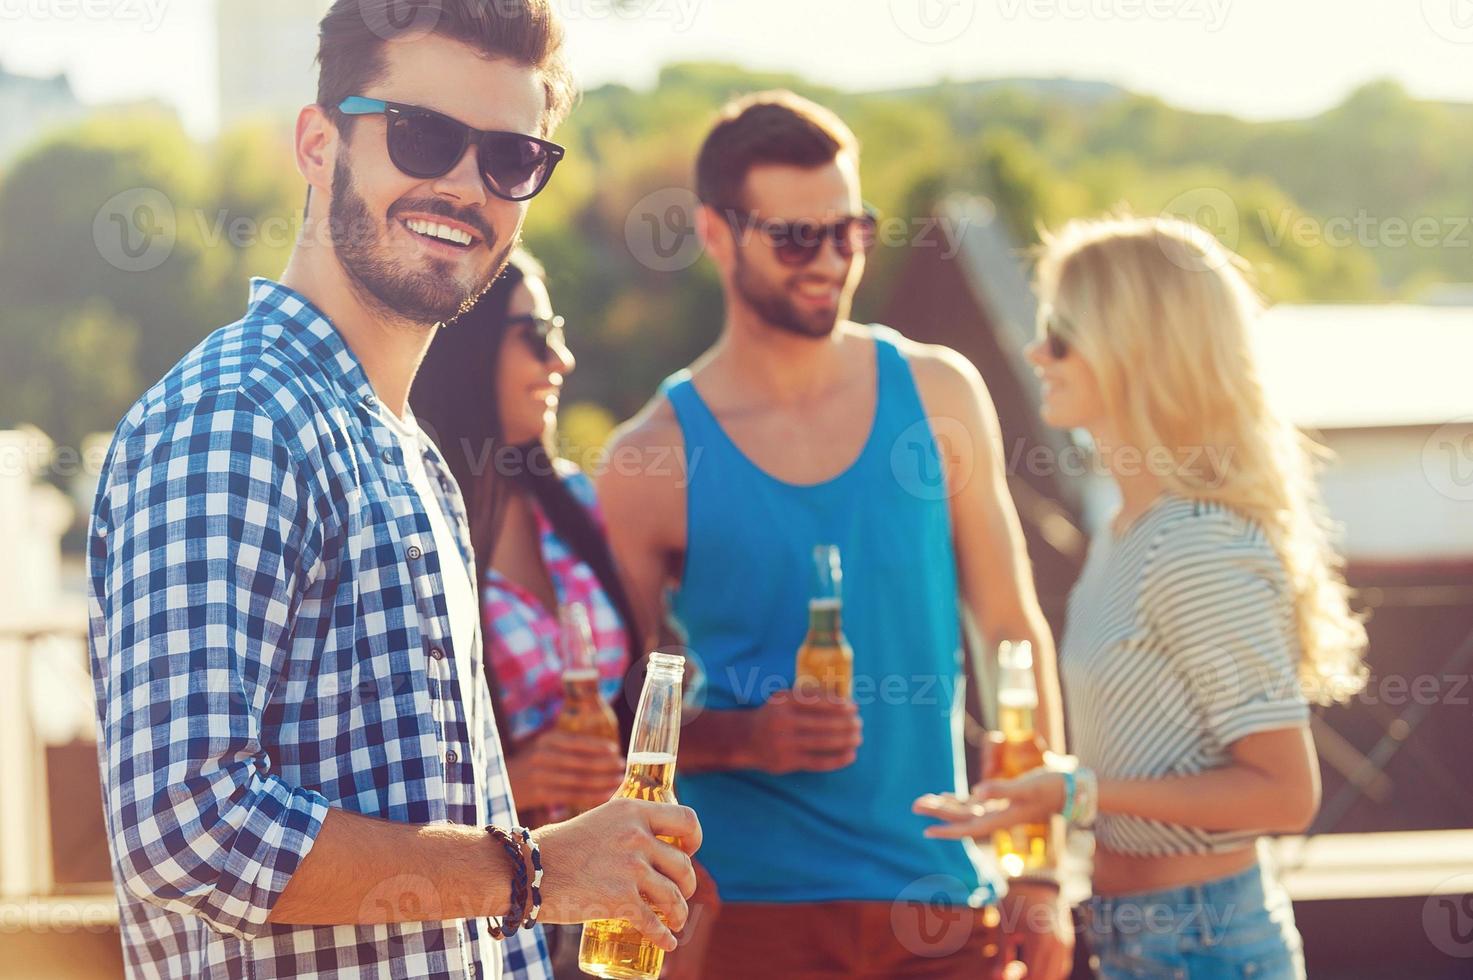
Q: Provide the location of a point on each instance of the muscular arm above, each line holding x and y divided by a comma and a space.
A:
992, 557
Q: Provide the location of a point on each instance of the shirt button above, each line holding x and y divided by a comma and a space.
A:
451, 757
414, 552
437, 653
388, 456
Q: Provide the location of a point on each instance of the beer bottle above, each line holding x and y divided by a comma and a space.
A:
825, 660
584, 712
611, 947
1015, 749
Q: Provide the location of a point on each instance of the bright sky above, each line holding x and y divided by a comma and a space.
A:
1257, 58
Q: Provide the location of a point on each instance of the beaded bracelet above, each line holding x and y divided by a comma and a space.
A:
512, 921
532, 858
1070, 786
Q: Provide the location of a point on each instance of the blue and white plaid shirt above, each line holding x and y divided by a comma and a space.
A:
269, 639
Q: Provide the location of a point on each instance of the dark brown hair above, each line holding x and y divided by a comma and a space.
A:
766, 127
352, 35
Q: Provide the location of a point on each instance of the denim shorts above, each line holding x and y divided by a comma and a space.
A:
1235, 928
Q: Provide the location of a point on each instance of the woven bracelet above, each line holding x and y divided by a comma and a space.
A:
512, 921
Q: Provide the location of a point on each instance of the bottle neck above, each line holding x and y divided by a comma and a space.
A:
657, 720
825, 620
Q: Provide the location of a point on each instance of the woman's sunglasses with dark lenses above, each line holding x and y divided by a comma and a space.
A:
427, 144
797, 243
1058, 347
539, 332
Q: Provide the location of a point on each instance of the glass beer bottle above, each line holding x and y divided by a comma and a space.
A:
1015, 749
611, 947
584, 711
825, 660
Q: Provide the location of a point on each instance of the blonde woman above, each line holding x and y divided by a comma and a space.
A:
1209, 612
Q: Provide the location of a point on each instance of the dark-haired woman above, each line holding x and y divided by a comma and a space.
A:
487, 392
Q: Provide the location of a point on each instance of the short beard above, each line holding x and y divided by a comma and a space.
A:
777, 309
380, 281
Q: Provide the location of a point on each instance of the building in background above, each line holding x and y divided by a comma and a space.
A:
30, 106
266, 50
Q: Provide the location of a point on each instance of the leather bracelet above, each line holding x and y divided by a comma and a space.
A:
532, 857
520, 891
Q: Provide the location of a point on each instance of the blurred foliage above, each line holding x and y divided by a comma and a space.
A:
82, 337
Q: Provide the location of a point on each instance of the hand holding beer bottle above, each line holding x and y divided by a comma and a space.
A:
577, 764
1017, 748
815, 727
623, 948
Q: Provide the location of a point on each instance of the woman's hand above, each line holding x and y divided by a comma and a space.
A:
995, 804
559, 769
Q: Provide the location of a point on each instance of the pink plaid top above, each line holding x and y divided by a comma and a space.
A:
523, 642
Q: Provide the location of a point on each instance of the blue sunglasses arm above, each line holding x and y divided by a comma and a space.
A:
358, 105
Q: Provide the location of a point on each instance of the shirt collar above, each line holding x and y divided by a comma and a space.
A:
313, 335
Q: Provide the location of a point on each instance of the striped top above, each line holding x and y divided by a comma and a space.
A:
1181, 639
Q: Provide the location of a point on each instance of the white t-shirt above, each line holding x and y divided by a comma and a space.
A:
460, 593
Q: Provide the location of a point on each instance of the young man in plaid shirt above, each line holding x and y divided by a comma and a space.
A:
298, 749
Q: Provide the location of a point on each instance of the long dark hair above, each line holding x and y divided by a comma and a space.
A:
454, 398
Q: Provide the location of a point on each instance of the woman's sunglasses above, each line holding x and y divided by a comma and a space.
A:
427, 144
539, 333
1053, 337
797, 243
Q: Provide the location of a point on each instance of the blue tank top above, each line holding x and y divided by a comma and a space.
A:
743, 602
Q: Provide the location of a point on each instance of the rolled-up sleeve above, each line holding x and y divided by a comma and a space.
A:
202, 543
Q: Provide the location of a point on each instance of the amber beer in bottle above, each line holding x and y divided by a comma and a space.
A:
825, 660
1015, 749
611, 947
584, 712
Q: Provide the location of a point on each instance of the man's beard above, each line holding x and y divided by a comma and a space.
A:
420, 295
777, 308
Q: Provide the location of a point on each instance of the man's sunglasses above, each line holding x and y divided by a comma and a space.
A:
539, 333
797, 243
427, 144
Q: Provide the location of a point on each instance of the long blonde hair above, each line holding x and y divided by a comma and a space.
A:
1161, 312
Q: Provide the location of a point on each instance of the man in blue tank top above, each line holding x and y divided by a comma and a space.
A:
800, 428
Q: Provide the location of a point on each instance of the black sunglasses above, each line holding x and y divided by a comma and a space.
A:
1054, 328
427, 144
797, 243
540, 334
